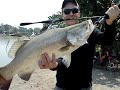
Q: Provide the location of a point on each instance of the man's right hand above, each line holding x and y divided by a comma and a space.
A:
47, 62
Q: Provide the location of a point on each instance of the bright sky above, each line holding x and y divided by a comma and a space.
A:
14, 12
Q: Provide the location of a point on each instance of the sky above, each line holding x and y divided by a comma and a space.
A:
14, 12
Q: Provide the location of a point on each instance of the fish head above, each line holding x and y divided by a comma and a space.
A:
79, 34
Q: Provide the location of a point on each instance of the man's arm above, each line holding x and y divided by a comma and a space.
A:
107, 37
104, 38
110, 27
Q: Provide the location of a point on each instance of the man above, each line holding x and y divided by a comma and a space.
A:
78, 76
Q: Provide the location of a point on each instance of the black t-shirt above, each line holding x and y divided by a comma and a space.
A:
79, 73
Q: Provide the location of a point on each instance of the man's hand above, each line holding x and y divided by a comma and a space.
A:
113, 13
47, 63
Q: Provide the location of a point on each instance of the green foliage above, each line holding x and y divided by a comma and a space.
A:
57, 16
6, 29
37, 31
95, 7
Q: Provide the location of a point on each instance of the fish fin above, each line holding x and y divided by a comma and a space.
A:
71, 37
25, 76
65, 48
66, 60
26, 73
15, 47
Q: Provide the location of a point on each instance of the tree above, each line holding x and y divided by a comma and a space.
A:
37, 31
94, 7
22, 30
57, 16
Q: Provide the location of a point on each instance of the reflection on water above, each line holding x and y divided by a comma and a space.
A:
5, 44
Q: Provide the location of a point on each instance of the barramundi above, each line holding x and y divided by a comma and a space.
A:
61, 41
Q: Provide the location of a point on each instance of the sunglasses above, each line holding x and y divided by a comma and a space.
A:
68, 11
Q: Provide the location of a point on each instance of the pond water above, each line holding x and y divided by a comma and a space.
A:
5, 44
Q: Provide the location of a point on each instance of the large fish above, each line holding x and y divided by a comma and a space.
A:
61, 41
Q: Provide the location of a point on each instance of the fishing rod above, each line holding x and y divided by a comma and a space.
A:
102, 19
57, 20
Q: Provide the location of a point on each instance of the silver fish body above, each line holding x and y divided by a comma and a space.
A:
61, 41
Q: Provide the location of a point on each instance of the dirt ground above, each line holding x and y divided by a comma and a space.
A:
45, 80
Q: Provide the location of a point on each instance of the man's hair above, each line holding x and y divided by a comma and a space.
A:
68, 1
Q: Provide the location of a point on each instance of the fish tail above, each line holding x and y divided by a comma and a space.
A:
2, 80
4, 84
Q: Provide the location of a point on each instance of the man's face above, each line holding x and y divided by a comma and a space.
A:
71, 11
